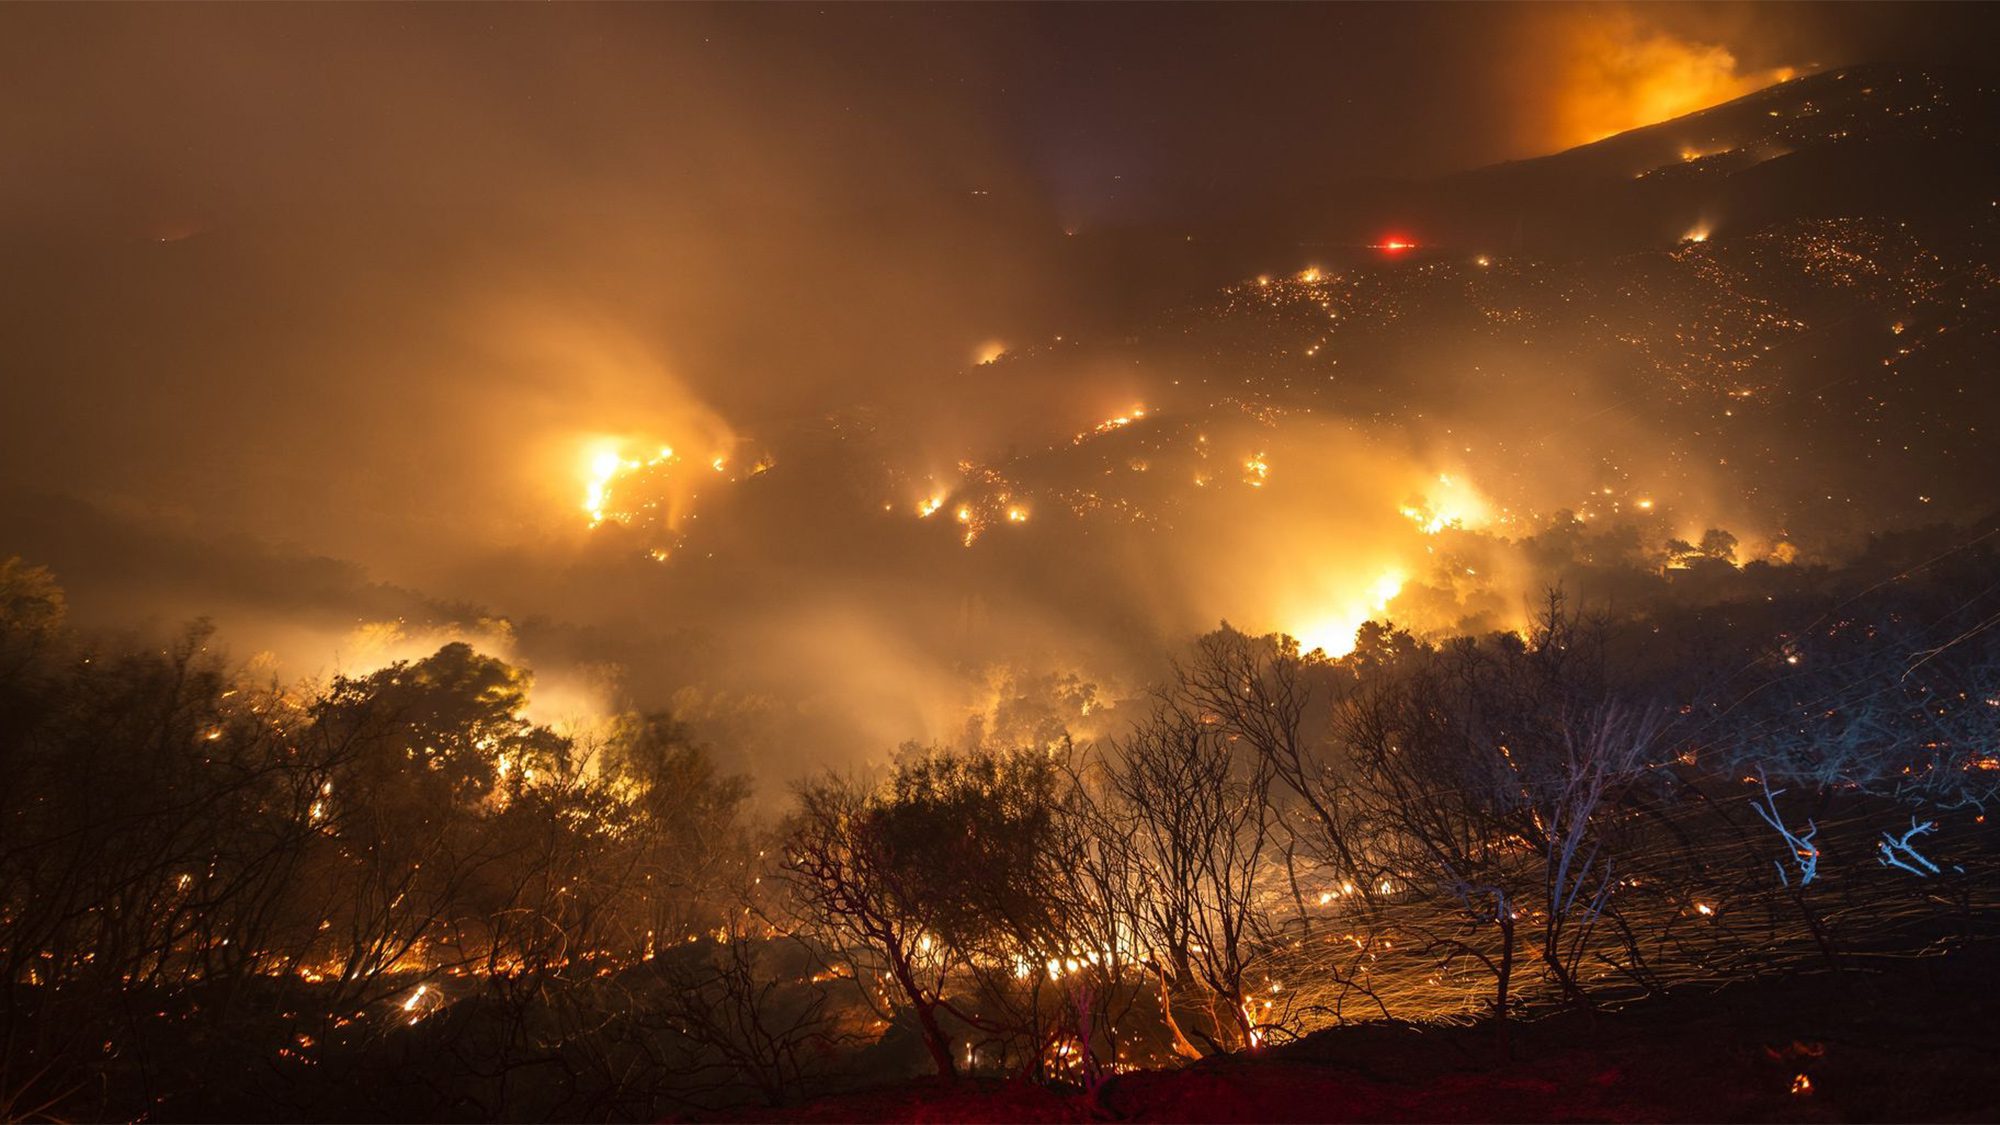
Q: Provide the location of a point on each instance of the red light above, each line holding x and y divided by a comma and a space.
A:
1395, 244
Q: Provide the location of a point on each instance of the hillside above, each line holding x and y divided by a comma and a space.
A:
1890, 1042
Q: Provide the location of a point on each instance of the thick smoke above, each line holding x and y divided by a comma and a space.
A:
321, 320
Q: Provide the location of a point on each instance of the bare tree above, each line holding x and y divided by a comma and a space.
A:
845, 884
1275, 702
1496, 772
1200, 819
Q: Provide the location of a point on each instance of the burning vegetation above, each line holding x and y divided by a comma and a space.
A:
1015, 637
314, 880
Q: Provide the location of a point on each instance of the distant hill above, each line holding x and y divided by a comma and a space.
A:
1858, 142
1867, 141
1779, 314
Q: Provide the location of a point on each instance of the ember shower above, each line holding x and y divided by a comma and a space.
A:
657, 408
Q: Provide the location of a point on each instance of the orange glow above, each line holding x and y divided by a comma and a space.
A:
1333, 632
607, 464
1256, 470
1615, 72
1451, 503
642, 483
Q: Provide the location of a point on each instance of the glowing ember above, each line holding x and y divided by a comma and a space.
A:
1256, 470
1122, 420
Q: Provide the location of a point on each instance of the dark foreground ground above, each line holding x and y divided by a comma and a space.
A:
1908, 1040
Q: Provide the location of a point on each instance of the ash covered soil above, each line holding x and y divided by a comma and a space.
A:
1891, 1040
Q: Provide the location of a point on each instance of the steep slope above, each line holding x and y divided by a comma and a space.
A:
1368, 435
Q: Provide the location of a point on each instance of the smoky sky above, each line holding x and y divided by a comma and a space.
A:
261, 242
357, 282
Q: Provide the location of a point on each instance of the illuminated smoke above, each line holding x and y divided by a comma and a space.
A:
1602, 71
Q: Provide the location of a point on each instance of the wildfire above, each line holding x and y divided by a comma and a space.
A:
1116, 422
606, 467
1452, 504
648, 486
1690, 153
1386, 589
1256, 470
1334, 633
1619, 72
